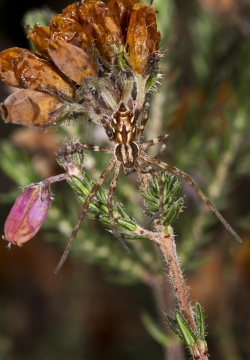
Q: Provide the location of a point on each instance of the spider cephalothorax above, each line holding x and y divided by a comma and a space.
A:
123, 124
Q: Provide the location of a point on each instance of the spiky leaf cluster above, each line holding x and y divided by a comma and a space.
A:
172, 204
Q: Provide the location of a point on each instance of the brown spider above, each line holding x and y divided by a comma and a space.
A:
129, 153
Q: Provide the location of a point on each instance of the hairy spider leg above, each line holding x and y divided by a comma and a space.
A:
97, 148
190, 181
144, 120
110, 207
162, 138
84, 210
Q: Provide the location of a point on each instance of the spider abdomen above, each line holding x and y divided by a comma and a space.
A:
127, 154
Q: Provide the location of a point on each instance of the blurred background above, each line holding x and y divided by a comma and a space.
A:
105, 304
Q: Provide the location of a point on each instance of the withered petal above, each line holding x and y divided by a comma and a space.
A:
7, 58
143, 37
70, 31
36, 73
40, 36
72, 61
72, 11
122, 10
32, 108
105, 27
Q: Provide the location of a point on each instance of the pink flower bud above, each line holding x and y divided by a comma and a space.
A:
27, 215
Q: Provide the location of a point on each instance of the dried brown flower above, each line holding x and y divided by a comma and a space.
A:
7, 66
72, 61
122, 10
143, 37
32, 108
40, 36
107, 33
35, 73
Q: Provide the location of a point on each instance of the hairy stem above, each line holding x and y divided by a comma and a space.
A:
168, 249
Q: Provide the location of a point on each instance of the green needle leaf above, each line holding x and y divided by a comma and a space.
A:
199, 317
187, 333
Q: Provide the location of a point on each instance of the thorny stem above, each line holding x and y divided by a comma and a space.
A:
168, 249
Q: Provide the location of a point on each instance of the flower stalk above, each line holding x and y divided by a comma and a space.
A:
184, 325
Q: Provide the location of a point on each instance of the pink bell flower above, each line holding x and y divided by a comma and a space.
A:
27, 215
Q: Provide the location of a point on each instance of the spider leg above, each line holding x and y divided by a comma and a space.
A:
97, 148
110, 207
84, 211
97, 112
107, 128
162, 138
143, 120
190, 181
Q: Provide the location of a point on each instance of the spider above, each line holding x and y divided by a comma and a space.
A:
129, 153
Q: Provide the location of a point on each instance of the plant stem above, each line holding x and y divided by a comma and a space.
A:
168, 249
161, 289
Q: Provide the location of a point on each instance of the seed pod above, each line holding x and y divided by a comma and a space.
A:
7, 58
35, 73
32, 108
40, 36
72, 61
104, 26
122, 10
67, 29
143, 37
27, 215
